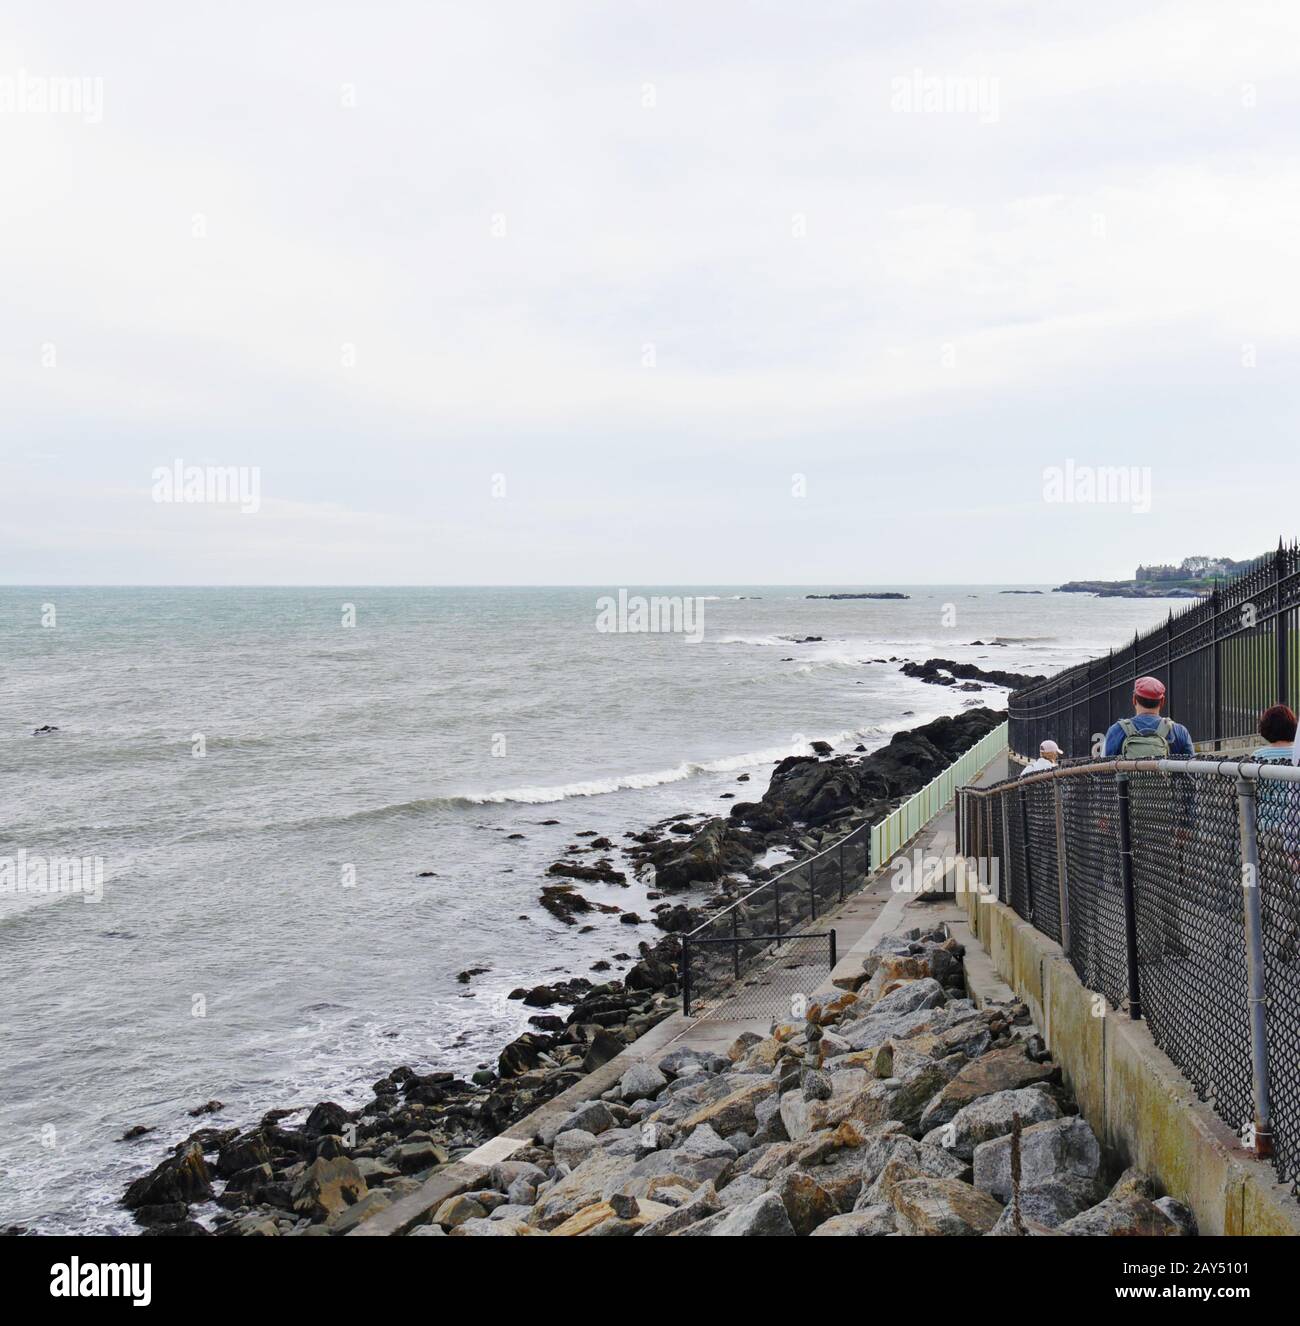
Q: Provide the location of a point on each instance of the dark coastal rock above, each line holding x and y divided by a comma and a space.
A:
816, 791
210, 1107
182, 1178
600, 874
716, 849
522, 1054
241, 1153
327, 1117
933, 669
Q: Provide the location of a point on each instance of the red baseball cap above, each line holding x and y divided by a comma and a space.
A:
1149, 688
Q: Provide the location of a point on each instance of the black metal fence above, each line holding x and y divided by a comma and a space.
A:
776, 971
1223, 659
755, 927
1173, 887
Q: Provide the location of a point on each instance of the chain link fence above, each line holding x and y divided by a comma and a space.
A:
1173, 887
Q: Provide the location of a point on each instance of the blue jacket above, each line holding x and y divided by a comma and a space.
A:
1180, 740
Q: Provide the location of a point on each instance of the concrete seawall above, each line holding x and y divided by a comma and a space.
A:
1130, 1091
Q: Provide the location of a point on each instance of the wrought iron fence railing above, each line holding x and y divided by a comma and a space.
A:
1224, 659
1173, 887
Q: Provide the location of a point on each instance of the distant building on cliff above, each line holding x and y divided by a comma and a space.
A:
1191, 568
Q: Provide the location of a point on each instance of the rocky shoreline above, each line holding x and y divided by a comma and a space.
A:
337, 1166
894, 1108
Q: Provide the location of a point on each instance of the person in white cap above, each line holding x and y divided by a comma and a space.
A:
1048, 754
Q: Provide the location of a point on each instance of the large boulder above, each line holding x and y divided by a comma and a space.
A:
327, 1187
734, 1112
578, 1189
943, 1206
762, 1217
1122, 1217
640, 1081
1007, 1069
182, 1178
871, 1222
989, 1117
715, 849
603, 1220
1049, 1152
806, 1202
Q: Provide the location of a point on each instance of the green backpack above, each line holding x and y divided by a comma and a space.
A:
1139, 745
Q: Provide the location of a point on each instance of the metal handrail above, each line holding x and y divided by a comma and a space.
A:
1268, 770
776, 879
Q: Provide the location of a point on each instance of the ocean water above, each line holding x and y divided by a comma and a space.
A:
264, 934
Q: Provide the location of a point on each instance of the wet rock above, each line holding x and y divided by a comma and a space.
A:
327, 1117
327, 1187
182, 1178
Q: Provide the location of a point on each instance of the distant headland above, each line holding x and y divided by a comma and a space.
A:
1193, 578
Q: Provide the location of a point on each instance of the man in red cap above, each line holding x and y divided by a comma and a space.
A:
1147, 735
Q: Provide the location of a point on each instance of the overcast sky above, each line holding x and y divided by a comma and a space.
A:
550, 292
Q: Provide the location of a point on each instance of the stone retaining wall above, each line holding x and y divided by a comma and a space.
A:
1129, 1090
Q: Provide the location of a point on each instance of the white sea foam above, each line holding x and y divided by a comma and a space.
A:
679, 773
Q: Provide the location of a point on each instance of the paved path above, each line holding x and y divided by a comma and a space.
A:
860, 922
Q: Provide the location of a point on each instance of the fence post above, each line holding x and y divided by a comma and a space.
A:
776, 884
1062, 880
832, 938
840, 854
1130, 910
1216, 683
988, 850
1280, 630
686, 976
1006, 845
735, 942
812, 887
1246, 814
1029, 869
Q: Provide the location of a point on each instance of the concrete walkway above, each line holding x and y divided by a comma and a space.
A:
860, 923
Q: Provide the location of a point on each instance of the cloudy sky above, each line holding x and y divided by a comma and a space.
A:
552, 292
